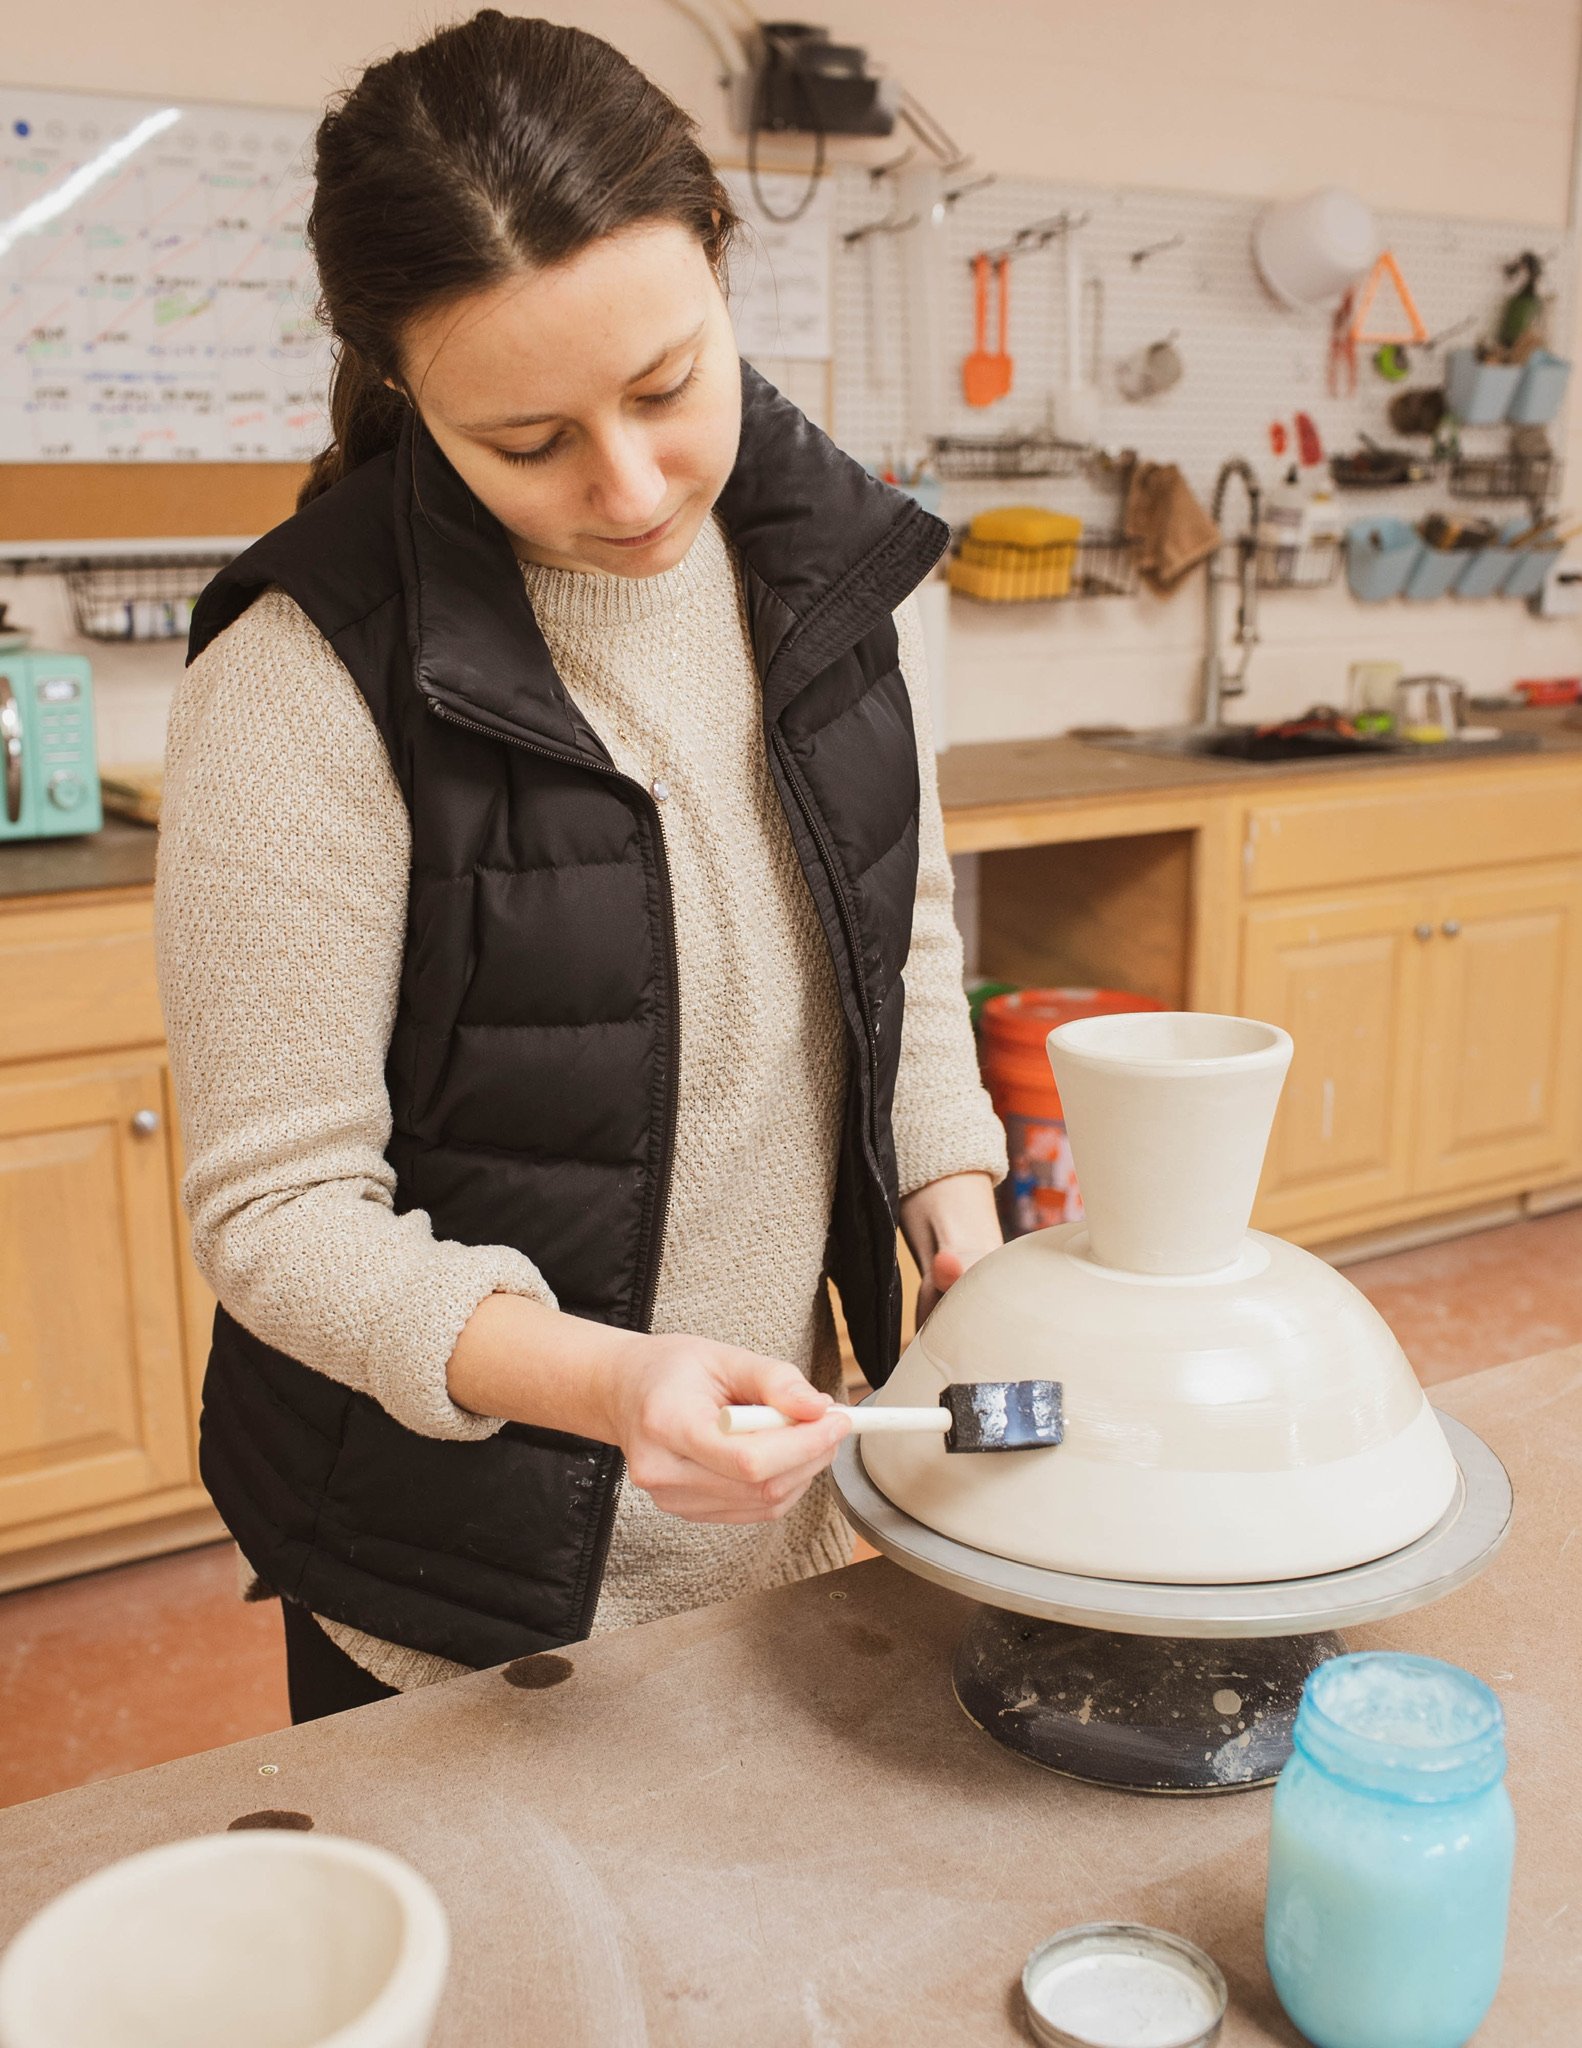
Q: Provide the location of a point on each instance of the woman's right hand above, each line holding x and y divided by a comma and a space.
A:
657, 1398
665, 1395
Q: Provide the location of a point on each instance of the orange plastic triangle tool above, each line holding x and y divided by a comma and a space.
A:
1387, 267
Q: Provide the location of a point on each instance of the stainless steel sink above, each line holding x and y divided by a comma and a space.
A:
1241, 743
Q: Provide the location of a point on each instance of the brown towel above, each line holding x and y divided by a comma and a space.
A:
1172, 531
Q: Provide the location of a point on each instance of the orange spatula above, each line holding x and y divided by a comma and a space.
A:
986, 377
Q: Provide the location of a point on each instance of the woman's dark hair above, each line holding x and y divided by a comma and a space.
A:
498, 143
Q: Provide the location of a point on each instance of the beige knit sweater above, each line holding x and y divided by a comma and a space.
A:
281, 917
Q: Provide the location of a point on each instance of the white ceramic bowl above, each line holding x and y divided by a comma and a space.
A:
251, 1940
1312, 249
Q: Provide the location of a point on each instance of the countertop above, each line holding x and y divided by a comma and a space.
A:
770, 1822
118, 856
972, 779
1067, 770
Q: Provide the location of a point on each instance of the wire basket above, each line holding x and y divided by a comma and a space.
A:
963, 457
1505, 476
1106, 566
138, 597
1003, 572
1311, 566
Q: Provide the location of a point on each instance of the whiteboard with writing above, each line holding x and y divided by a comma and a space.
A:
156, 297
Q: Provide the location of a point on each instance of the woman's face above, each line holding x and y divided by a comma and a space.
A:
589, 404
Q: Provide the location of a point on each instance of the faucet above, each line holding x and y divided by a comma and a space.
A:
1220, 682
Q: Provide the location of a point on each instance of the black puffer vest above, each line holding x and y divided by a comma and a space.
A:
532, 1069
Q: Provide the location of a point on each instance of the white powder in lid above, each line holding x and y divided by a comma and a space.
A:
1112, 1998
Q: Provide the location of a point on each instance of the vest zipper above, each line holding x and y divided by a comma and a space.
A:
673, 1065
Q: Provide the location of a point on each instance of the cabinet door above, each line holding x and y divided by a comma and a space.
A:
1502, 1030
93, 1409
1342, 975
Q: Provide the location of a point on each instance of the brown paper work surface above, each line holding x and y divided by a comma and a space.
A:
769, 1822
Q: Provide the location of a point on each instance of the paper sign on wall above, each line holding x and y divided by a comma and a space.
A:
780, 271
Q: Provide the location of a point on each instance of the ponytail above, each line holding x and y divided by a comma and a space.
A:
365, 419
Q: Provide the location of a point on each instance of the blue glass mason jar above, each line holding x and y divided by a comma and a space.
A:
1390, 1855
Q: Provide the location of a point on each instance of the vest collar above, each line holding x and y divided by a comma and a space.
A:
827, 553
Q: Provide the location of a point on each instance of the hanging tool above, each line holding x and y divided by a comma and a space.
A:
1525, 307
1342, 372
1416, 332
1140, 256
986, 377
1077, 403
1392, 363
984, 1415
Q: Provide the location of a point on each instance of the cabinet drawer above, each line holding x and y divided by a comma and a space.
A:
1318, 842
78, 980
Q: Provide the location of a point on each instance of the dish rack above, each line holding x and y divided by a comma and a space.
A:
137, 597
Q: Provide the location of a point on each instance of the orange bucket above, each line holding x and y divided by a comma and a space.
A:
1041, 1187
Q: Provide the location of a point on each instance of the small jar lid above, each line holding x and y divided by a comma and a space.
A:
1112, 1985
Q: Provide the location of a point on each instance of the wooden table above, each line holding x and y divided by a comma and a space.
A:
768, 1822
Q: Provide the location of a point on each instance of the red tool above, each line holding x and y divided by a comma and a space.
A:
986, 377
1277, 437
1309, 448
1343, 350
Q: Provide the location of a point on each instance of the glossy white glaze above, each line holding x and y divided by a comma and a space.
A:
1236, 1412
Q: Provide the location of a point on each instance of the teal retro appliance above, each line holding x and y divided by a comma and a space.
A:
49, 774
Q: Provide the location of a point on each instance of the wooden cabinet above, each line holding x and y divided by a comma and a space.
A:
1344, 977
93, 1405
1416, 927
101, 1311
1501, 1041
1437, 1016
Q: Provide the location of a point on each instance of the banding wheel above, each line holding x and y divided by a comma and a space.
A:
1168, 1688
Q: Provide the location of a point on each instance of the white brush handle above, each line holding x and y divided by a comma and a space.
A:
742, 1421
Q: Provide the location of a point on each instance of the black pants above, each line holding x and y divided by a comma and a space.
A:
320, 1678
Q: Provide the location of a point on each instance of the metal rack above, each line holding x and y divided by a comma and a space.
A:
1105, 566
1536, 477
984, 457
137, 597
1312, 566
1095, 564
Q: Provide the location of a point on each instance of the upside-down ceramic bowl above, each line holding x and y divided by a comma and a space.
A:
1235, 1410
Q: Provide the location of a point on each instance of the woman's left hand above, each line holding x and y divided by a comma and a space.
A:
949, 1225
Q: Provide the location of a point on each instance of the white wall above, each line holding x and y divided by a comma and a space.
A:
1439, 106
1443, 106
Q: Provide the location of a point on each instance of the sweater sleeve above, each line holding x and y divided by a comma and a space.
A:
944, 1122
280, 925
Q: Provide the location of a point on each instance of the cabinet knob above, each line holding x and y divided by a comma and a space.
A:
1422, 931
1450, 927
145, 1122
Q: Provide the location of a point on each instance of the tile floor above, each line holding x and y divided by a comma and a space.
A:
130, 1667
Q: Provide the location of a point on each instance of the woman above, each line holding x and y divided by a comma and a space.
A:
545, 832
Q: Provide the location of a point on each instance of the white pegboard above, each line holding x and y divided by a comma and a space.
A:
1247, 361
